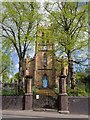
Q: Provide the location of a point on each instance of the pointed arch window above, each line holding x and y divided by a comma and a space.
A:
45, 81
45, 60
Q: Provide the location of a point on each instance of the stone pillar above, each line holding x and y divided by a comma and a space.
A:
28, 95
63, 98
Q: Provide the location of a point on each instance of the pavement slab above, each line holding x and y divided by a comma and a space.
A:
37, 115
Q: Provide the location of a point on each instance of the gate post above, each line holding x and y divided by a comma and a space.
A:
28, 94
63, 98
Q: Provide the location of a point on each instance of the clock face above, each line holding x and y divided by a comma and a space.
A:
45, 47
45, 82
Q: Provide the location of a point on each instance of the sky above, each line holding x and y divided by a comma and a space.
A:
14, 56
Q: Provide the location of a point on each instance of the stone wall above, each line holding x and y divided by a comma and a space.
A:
79, 105
13, 102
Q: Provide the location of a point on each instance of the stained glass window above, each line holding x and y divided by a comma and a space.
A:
45, 81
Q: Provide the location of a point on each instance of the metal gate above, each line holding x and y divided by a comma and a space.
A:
45, 101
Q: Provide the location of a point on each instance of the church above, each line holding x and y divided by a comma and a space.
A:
43, 68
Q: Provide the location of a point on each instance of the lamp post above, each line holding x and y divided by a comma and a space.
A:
63, 98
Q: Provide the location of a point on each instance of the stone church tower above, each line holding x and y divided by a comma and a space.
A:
44, 74
42, 68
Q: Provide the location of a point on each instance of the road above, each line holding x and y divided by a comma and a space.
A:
44, 118
35, 115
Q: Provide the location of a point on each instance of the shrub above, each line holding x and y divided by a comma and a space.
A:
78, 91
34, 89
56, 90
8, 92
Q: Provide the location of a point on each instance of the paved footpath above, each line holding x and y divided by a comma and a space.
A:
41, 115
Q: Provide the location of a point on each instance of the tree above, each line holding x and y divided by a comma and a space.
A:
69, 26
4, 59
16, 77
18, 25
81, 77
5, 64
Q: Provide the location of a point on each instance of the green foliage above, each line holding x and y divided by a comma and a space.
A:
8, 92
69, 24
78, 91
5, 60
82, 87
19, 21
47, 34
18, 24
56, 90
16, 77
6, 65
88, 85
34, 89
81, 77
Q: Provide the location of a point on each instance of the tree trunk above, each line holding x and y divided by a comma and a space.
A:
70, 76
21, 76
69, 58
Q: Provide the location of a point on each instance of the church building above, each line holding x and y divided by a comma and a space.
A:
43, 67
